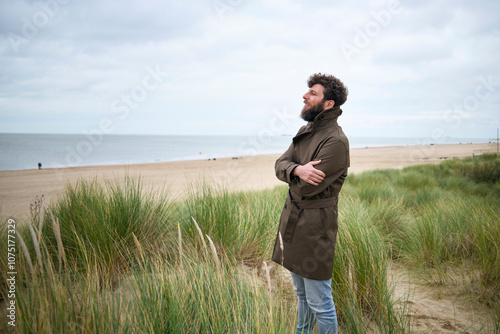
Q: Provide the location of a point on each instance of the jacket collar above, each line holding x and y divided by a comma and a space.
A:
324, 118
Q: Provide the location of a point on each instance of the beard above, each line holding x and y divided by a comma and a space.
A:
310, 114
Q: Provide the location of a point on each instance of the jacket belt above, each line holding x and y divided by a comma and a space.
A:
298, 206
315, 203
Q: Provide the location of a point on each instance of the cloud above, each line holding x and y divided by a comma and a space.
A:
228, 70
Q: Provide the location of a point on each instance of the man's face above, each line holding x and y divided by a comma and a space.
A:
313, 103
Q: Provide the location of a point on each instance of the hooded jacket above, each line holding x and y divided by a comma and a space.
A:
305, 242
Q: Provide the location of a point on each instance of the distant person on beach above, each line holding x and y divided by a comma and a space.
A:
315, 167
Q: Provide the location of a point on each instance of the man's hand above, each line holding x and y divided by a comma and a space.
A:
309, 174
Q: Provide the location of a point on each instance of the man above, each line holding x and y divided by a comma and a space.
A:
315, 167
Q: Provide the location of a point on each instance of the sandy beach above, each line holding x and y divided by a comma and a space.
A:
19, 188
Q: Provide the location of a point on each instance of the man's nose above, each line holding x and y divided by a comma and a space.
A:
305, 96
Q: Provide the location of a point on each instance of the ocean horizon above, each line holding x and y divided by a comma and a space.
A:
25, 151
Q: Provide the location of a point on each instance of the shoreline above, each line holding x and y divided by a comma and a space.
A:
375, 142
18, 188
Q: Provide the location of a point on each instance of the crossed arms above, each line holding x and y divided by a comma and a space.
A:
311, 178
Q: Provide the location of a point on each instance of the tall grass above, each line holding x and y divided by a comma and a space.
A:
200, 297
242, 224
360, 278
152, 295
203, 297
97, 222
439, 216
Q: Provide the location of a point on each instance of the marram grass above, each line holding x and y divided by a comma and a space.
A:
154, 297
201, 294
241, 224
98, 223
361, 289
434, 217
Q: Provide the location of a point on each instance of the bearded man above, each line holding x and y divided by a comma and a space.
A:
315, 167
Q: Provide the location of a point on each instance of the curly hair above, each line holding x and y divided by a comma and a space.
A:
334, 89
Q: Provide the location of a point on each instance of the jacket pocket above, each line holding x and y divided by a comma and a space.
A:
313, 223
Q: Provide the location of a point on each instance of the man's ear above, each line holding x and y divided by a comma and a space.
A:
329, 104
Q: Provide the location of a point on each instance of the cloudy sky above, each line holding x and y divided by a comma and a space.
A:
413, 68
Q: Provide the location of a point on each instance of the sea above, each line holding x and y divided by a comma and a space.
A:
26, 151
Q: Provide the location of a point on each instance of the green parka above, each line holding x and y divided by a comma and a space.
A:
305, 242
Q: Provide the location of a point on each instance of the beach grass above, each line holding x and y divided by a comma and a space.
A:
361, 288
437, 217
201, 296
241, 224
115, 257
98, 223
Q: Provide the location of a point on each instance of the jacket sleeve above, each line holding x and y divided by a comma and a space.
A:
285, 165
334, 156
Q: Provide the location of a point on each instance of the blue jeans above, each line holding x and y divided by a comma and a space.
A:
315, 305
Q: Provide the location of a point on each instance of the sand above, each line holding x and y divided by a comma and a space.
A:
19, 188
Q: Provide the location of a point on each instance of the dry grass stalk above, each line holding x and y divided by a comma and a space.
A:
282, 249
200, 233
214, 251
40, 217
36, 244
180, 244
268, 278
25, 252
57, 232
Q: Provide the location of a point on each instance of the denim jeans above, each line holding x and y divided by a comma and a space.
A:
315, 305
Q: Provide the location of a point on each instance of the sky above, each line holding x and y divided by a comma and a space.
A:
240, 67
